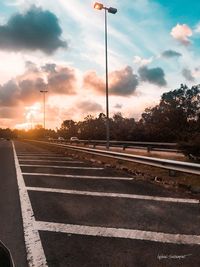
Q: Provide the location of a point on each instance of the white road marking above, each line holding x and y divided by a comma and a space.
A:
34, 249
43, 160
116, 195
44, 157
36, 154
118, 233
78, 176
61, 167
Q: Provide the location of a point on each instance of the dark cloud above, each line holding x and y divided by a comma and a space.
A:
171, 54
121, 82
187, 74
154, 75
37, 29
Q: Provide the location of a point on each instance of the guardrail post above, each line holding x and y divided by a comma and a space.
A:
172, 173
149, 148
124, 147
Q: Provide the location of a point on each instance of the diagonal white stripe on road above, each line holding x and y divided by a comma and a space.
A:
118, 233
46, 160
43, 157
61, 167
116, 195
37, 154
78, 176
34, 249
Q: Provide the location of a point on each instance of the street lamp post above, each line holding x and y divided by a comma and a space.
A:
44, 92
111, 10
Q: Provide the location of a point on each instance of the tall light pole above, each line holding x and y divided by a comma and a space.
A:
111, 10
44, 92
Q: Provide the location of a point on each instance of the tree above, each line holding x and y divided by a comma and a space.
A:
93, 128
121, 128
191, 148
68, 129
176, 115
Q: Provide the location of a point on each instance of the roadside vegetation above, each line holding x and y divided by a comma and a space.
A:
175, 119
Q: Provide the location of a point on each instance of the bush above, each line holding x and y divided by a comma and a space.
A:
191, 148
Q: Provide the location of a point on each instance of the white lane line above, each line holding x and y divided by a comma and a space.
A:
44, 157
34, 249
116, 195
37, 153
78, 176
61, 167
43, 160
119, 233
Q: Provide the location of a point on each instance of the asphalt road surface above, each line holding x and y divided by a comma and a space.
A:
58, 211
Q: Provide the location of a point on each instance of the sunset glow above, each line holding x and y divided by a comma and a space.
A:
152, 49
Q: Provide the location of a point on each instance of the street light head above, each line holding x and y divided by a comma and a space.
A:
98, 6
112, 10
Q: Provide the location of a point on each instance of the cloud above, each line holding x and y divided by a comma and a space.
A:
49, 67
170, 54
26, 88
154, 75
142, 61
197, 28
196, 72
121, 82
10, 113
89, 106
37, 29
181, 33
15, 2
15, 92
9, 93
30, 66
61, 80
118, 106
92, 81
187, 74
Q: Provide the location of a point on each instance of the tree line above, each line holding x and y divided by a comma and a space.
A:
175, 119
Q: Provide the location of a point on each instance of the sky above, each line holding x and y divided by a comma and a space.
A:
153, 47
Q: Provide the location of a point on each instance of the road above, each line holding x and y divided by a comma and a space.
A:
72, 213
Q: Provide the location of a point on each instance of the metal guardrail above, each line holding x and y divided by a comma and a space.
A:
149, 146
171, 165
